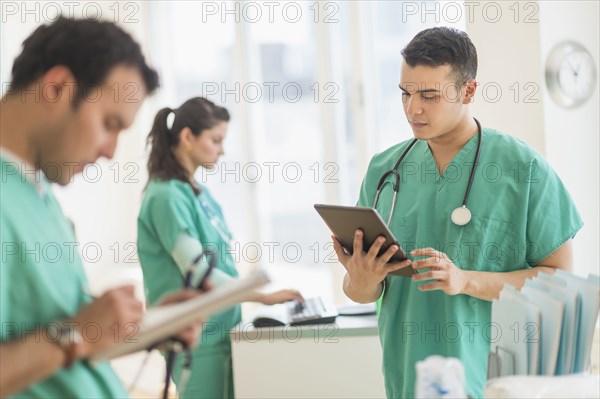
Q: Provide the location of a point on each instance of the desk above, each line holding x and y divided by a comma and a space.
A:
341, 360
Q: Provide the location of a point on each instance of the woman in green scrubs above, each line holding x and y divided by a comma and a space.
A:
180, 219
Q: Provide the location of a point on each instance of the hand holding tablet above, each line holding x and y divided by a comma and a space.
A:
344, 221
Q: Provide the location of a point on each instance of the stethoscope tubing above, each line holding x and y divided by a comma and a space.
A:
396, 174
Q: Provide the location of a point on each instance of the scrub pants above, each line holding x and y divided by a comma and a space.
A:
212, 373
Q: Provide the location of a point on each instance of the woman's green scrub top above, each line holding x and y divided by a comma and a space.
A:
42, 280
521, 213
169, 209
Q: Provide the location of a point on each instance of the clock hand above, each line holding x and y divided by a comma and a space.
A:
574, 69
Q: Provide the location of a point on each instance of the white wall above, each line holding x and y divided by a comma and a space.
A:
509, 58
515, 52
571, 136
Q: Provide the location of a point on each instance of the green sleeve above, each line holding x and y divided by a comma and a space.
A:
171, 213
552, 218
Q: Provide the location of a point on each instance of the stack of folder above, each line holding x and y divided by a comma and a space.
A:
546, 328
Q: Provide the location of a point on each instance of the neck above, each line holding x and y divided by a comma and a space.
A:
449, 144
16, 129
188, 166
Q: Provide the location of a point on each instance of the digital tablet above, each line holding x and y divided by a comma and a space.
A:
343, 221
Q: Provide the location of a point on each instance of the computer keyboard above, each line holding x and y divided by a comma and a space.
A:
313, 311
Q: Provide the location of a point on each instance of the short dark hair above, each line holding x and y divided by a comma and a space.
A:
440, 46
197, 114
89, 48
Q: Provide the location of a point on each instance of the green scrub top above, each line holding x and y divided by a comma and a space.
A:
521, 213
171, 208
42, 281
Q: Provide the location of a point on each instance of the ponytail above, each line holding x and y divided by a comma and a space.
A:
162, 163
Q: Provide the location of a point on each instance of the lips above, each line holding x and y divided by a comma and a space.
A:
417, 124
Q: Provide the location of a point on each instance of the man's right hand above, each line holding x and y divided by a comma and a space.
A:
366, 270
108, 320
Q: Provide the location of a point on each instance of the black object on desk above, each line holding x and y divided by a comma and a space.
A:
367, 309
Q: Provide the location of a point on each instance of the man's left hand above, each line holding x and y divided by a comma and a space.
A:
446, 275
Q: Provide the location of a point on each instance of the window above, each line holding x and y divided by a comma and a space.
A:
313, 91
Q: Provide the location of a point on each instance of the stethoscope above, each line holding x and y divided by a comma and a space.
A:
173, 345
461, 215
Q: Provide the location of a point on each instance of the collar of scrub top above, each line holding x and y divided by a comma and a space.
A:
37, 179
213, 217
461, 215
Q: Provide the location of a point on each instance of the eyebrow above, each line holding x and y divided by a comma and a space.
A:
420, 91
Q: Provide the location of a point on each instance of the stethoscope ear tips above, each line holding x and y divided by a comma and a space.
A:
461, 216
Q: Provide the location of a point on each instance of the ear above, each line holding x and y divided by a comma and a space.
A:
186, 136
471, 88
58, 87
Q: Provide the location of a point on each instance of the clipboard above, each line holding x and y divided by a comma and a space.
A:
162, 322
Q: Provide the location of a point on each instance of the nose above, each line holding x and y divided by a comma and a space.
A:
413, 106
110, 146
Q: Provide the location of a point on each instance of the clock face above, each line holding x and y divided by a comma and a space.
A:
570, 74
576, 75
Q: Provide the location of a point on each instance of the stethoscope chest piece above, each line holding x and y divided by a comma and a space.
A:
461, 216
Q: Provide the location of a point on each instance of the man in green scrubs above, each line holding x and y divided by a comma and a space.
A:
62, 112
522, 220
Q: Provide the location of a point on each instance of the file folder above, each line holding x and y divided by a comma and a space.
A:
590, 304
552, 318
531, 330
506, 314
568, 338
564, 307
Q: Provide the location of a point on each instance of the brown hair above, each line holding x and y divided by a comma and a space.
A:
197, 114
